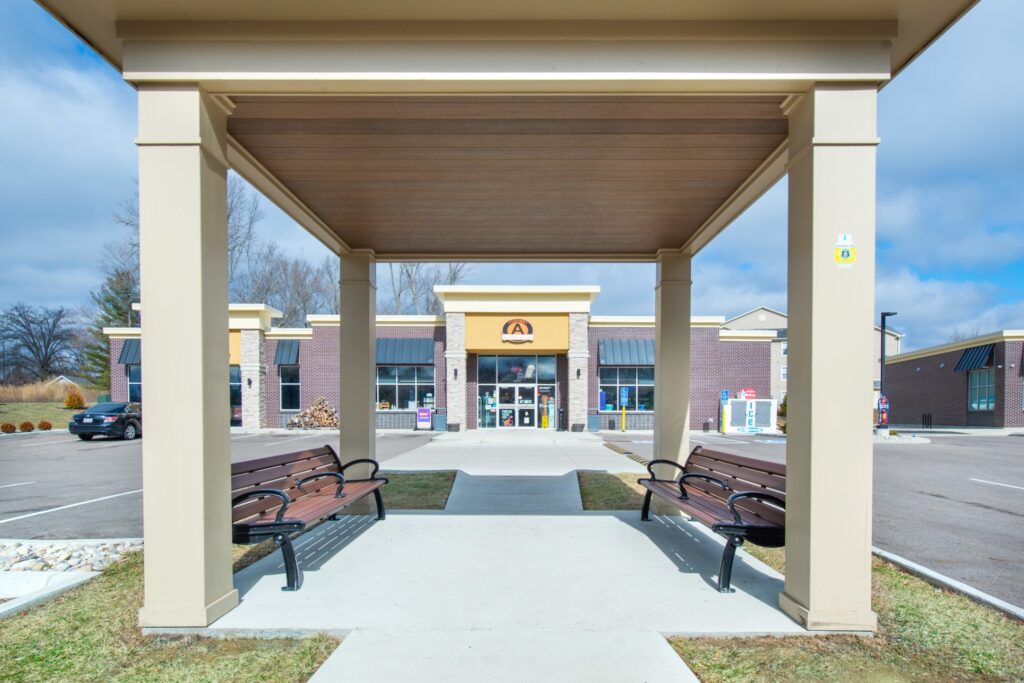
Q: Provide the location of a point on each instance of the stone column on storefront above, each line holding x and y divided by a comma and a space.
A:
579, 377
254, 376
455, 360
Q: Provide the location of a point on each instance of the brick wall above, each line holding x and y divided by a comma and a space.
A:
118, 376
714, 365
927, 385
319, 366
472, 385
1011, 355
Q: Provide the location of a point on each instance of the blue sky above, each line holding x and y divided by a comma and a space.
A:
950, 188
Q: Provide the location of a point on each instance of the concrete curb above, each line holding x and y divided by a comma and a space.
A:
55, 584
942, 581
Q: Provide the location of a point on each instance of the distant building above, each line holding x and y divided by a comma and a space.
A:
974, 383
764, 318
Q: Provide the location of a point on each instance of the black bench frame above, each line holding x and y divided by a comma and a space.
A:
282, 531
736, 532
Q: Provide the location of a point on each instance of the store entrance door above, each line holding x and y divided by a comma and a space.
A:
517, 406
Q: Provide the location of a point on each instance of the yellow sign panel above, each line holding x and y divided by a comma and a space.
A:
234, 347
509, 333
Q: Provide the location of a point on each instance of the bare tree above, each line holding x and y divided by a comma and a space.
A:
328, 284
40, 342
411, 286
959, 334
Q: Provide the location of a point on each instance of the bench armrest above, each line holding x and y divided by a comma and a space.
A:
337, 475
758, 495
266, 492
652, 463
373, 474
694, 475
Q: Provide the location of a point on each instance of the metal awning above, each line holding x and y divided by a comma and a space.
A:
405, 351
974, 358
287, 352
131, 352
626, 351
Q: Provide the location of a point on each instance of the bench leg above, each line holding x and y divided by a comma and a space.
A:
725, 571
291, 568
645, 513
380, 503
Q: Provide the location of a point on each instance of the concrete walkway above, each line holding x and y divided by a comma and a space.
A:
512, 581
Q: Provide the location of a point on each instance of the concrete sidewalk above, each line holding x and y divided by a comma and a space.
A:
512, 581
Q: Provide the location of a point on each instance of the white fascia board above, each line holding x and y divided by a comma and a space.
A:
991, 338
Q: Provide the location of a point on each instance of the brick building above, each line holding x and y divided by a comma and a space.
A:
974, 383
499, 357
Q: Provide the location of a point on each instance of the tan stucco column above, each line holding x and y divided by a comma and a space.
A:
831, 358
578, 358
186, 472
358, 366
455, 365
672, 364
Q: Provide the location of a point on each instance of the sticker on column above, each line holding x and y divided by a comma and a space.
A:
845, 252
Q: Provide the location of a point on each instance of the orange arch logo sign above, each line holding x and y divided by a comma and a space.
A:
517, 331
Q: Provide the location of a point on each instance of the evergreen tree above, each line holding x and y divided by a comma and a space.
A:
113, 301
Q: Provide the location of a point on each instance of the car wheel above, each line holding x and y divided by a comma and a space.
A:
130, 432
85, 437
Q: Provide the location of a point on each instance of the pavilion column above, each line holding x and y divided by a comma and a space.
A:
358, 366
832, 139
672, 365
186, 472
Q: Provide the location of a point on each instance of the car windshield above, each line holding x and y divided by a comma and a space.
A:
107, 408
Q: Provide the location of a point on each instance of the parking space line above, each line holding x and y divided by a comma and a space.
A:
66, 507
44, 443
996, 483
297, 438
24, 483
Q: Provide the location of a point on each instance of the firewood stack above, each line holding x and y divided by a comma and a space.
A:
319, 415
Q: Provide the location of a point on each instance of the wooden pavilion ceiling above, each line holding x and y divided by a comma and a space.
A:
493, 176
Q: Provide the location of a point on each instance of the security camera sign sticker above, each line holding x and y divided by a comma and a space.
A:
845, 252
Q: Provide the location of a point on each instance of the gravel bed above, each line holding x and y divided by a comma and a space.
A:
66, 556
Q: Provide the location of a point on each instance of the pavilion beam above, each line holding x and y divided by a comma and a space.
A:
444, 64
672, 364
831, 358
357, 366
183, 246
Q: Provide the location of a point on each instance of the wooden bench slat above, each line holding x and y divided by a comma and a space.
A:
314, 508
245, 480
283, 459
725, 470
768, 466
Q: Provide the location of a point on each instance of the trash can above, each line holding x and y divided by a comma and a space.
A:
561, 419
593, 423
440, 422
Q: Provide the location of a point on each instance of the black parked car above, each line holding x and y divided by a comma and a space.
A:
123, 420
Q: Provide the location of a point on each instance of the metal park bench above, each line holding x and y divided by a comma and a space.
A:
740, 498
285, 495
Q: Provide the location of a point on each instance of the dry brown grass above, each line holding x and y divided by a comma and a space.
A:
41, 392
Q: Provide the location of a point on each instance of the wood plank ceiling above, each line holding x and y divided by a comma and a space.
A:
515, 176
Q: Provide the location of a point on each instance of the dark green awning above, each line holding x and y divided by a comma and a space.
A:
131, 352
626, 352
287, 352
405, 351
974, 358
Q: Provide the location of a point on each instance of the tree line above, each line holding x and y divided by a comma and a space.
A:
37, 342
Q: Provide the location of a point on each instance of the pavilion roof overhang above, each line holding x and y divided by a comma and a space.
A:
587, 133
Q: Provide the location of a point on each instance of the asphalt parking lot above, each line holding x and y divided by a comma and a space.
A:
56, 486
955, 505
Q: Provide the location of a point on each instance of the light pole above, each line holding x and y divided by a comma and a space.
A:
881, 372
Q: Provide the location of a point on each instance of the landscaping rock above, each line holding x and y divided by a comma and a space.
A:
64, 556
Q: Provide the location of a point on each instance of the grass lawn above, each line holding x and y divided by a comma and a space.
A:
924, 633
91, 634
55, 412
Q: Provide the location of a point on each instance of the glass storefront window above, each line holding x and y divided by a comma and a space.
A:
638, 383
516, 391
981, 389
235, 386
134, 383
405, 387
289, 375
